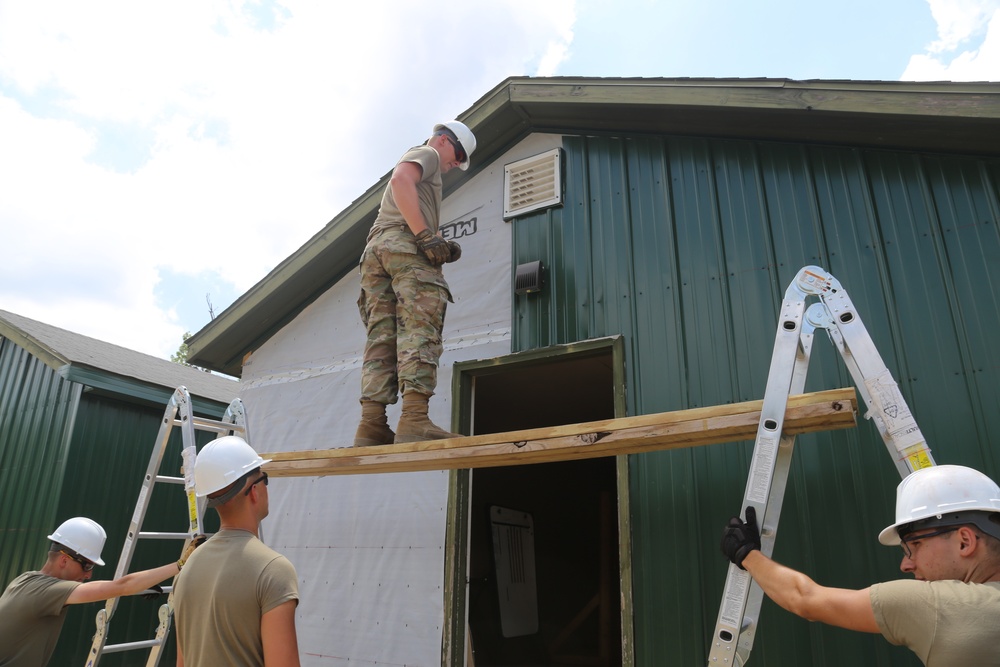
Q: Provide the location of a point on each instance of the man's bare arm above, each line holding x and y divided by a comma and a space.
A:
404, 181
797, 593
277, 631
130, 584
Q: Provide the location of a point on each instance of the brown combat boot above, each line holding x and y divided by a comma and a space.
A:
374, 427
414, 425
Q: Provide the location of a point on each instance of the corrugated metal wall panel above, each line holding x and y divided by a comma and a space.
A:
112, 444
67, 452
36, 419
685, 246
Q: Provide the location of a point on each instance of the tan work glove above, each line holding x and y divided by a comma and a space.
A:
196, 541
456, 251
434, 247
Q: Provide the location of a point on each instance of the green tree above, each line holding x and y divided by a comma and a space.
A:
181, 355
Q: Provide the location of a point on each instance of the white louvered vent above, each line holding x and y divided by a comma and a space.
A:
532, 183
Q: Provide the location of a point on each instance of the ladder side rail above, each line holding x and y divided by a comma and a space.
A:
768, 521
233, 420
236, 414
188, 454
887, 407
177, 400
194, 514
820, 317
787, 356
162, 630
166, 614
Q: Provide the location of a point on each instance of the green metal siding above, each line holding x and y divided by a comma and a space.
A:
112, 444
65, 451
37, 408
685, 247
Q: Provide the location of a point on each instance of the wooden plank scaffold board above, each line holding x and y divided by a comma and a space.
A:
819, 411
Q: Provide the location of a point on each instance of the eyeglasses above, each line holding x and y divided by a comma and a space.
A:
905, 541
262, 478
459, 151
84, 563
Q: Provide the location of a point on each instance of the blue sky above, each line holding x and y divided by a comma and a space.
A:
156, 160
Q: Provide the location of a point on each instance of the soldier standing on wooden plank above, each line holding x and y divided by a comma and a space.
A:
403, 291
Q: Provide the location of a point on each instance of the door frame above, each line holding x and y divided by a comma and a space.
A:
454, 640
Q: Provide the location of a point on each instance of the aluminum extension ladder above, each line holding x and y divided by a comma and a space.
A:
178, 413
739, 611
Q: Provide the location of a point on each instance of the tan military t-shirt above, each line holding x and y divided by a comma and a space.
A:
946, 623
428, 191
32, 611
219, 597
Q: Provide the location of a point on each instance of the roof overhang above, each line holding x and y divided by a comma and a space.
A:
103, 381
960, 118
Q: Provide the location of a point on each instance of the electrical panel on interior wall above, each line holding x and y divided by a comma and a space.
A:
532, 183
514, 556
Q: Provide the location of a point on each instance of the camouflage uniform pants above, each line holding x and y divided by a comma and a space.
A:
402, 304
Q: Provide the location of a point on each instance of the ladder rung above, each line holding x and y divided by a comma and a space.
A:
203, 424
170, 480
118, 648
164, 536
166, 590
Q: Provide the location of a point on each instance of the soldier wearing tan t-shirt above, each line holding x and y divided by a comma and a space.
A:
235, 601
948, 525
34, 605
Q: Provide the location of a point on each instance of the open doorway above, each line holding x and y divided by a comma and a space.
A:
542, 543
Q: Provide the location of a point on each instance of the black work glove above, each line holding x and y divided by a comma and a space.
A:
739, 538
154, 592
434, 247
456, 251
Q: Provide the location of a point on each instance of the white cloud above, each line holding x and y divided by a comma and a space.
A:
958, 21
968, 45
245, 127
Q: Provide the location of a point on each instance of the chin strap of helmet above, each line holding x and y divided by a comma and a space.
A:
234, 488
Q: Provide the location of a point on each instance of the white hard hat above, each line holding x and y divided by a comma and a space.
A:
222, 462
944, 495
82, 535
465, 137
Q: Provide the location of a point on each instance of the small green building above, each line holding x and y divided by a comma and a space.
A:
78, 422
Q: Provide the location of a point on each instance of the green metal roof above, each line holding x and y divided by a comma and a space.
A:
938, 117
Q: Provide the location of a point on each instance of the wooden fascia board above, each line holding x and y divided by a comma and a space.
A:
33, 346
820, 411
765, 96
